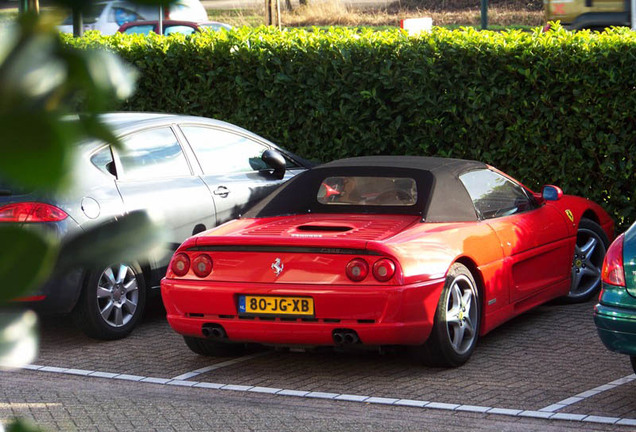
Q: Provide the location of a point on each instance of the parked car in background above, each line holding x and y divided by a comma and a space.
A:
169, 27
191, 173
615, 313
424, 252
589, 14
108, 16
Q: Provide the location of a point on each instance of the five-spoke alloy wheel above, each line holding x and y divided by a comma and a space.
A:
457, 319
589, 252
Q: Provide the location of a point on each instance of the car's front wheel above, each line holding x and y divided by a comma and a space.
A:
587, 263
457, 319
112, 302
206, 347
633, 358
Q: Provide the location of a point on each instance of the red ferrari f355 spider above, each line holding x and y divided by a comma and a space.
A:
424, 252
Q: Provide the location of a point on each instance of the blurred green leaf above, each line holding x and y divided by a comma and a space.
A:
41, 81
128, 238
35, 149
25, 260
18, 339
22, 425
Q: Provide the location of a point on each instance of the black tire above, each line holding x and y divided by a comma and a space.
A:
457, 320
211, 348
587, 262
112, 302
633, 359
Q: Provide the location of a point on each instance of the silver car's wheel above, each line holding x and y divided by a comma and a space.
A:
117, 295
112, 301
587, 263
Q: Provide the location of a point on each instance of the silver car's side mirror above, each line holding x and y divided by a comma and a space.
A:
276, 161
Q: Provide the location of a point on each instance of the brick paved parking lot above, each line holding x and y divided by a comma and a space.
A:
546, 370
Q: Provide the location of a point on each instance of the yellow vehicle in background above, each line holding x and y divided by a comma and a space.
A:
589, 14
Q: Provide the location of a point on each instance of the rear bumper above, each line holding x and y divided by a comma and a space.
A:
380, 315
58, 295
616, 320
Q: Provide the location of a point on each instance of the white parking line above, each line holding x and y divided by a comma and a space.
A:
542, 414
192, 374
587, 394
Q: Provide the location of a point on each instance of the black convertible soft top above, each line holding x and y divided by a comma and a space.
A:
441, 195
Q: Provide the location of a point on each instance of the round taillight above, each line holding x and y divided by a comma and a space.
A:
180, 264
357, 269
383, 269
202, 265
613, 272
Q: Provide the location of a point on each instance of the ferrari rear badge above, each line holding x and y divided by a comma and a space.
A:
277, 266
568, 212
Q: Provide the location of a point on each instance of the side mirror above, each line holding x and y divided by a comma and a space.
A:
551, 193
276, 161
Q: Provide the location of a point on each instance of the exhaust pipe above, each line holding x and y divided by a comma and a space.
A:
345, 337
351, 338
214, 331
338, 338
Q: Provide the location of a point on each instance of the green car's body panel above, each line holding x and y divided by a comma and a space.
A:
615, 315
629, 259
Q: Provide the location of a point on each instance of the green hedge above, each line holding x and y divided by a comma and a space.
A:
555, 107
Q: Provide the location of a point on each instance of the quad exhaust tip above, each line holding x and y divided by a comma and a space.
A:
345, 337
213, 331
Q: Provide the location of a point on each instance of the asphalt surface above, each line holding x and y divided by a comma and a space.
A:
546, 370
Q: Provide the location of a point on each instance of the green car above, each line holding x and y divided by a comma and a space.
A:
615, 314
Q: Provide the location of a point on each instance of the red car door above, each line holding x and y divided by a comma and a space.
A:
536, 251
534, 238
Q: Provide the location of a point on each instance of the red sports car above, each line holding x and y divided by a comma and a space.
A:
424, 252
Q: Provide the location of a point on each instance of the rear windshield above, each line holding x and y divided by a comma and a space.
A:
350, 190
365, 191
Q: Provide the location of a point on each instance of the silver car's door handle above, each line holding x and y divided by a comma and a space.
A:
222, 191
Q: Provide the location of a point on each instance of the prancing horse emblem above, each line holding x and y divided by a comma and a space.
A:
278, 266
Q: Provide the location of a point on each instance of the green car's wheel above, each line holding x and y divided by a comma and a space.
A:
633, 358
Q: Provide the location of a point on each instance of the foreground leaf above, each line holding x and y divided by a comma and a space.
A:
128, 238
26, 258
18, 339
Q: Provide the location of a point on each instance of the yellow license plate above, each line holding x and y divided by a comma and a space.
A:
276, 305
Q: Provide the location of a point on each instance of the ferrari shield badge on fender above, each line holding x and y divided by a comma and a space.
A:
568, 212
277, 266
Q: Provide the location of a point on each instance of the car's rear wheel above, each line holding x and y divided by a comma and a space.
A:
587, 263
457, 319
112, 302
633, 358
212, 348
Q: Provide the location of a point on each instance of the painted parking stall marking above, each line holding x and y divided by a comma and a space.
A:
206, 369
541, 414
587, 394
